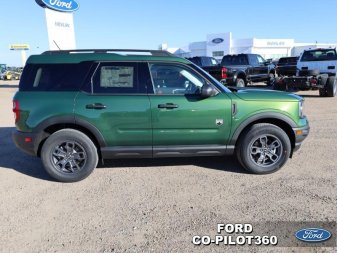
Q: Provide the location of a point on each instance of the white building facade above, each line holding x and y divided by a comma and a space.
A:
218, 45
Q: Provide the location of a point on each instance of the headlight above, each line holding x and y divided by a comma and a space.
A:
300, 108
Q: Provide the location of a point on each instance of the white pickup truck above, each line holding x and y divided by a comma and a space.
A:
316, 70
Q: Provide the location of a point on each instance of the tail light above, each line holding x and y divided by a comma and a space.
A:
223, 73
16, 110
313, 82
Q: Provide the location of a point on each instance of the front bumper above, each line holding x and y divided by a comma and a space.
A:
300, 135
25, 142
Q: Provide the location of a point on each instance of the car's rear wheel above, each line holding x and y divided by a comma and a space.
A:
331, 86
263, 149
69, 155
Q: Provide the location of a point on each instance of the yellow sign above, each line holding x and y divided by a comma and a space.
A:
19, 47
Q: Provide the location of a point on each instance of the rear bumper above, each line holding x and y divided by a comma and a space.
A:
300, 135
21, 140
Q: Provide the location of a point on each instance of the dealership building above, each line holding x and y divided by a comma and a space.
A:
218, 45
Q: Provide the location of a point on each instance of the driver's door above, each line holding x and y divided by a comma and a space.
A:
181, 118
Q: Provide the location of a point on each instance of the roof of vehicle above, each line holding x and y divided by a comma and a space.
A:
316, 49
77, 56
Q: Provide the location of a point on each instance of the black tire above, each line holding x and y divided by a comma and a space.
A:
331, 86
322, 92
274, 157
279, 84
240, 82
310, 72
66, 149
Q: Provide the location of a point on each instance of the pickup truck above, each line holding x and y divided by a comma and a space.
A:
287, 66
203, 61
241, 69
316, 70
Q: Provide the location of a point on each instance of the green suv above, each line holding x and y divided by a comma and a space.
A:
74, 108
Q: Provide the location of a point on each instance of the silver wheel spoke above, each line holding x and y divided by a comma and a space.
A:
79, 156
263, 141
275, 144
59, 153
266, 150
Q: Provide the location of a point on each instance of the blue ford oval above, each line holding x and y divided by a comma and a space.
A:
59, 5
217, 41
313, 235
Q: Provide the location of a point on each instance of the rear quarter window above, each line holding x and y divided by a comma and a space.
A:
54, 77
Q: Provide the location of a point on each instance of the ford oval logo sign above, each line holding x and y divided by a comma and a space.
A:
313, 235
217, 41
59, 5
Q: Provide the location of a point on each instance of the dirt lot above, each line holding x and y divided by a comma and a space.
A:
158, 205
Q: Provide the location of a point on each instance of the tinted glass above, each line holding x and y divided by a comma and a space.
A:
195, 60
54, 77
286, 60
169, 79
234, 60
319, 55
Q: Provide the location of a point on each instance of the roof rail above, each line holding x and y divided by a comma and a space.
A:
106, 51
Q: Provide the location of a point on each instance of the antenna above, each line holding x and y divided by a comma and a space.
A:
56, 45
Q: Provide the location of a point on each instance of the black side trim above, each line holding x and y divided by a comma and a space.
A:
189, 151
126, 152
165, 151
259, 116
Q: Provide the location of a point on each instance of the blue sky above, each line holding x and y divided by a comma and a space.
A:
146, 24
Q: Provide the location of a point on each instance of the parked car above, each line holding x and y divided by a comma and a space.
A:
203, 61
316, 70
241, 69
287, 66
11, 75
73, 109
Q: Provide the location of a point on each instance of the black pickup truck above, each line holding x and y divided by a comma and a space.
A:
242, 69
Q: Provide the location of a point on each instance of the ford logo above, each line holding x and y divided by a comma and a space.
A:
313, 235
59, 5
217, 41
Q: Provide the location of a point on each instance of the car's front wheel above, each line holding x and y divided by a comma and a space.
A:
263, 149
69, 155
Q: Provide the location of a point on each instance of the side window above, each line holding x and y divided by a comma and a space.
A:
170, 79
260, 59
120, 78
54, 77
253, 60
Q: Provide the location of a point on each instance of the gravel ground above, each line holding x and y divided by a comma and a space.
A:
159, 205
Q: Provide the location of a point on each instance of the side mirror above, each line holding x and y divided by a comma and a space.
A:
207, 91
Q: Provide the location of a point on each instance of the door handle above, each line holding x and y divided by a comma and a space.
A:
96, 106
168, 106
331, 67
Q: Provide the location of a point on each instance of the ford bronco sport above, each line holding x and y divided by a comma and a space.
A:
74, 108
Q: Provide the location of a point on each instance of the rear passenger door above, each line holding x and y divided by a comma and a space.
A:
115, 101
254, 69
